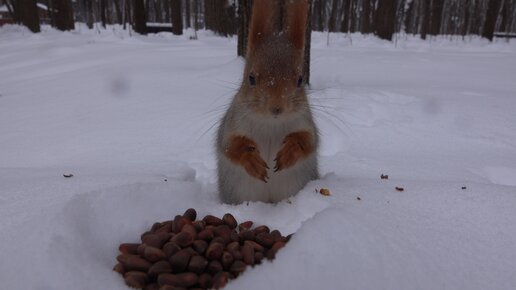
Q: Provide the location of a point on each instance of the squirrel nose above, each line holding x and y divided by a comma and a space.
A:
276, 110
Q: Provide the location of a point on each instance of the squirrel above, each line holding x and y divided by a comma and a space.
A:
269, 122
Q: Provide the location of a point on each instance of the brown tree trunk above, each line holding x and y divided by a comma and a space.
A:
102, 4
118, 11
187, 14
437, 12
491, 16
345, 12
139, 19
332, 22
88, 9
177, 19
26, 13
424, 16
317, 17
10, 9
385, 19
365, 15
64, 15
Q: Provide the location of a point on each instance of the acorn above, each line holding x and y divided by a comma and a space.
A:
179, 261
214, 251
220, 280
230, 220
264, 239
183, 239
135, 279
190, 214
153, 254
224, 232
205, 280
133, 262
206, 234
261, 229
159, 268
128, 248
197, 264
212, 220
245, 225
237, 267
214, 267
247, 254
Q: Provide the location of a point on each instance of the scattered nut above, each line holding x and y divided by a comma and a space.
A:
325, 192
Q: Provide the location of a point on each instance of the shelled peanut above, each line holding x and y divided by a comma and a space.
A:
185, 253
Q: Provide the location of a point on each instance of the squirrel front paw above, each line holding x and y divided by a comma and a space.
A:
244, 152
254, 165
296, 146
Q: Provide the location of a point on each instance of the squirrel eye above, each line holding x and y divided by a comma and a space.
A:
252, 79
300, 81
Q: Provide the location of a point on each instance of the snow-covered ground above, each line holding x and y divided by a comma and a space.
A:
133, 119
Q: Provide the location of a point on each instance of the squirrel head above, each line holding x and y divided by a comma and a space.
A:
273, 84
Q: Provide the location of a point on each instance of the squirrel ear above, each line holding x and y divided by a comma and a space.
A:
261, 23
297, 14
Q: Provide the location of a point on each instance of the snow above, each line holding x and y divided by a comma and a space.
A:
133, 119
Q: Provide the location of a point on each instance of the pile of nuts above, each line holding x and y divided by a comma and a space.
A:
186, 253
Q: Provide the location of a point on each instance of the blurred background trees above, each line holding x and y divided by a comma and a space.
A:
385, 18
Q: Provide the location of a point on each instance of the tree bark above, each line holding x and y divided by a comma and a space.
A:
345, 11
27, 13
139, 19
103, 20
425, 15
187, 14
177, 19
10, 9
332, 22
491, 16
118, 12
88, 7
317, 23
385, 19
437, 12
64, 15
366, 16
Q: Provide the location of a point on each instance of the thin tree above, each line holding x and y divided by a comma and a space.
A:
102, 8
187, 14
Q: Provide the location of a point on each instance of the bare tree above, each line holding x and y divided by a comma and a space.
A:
26, 13
385, 19
491, 16
187, 14
139, 19
177, 19
332, 22
64, 14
